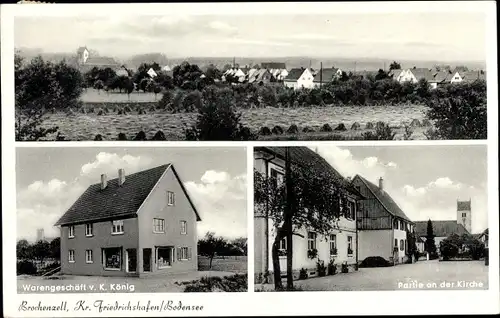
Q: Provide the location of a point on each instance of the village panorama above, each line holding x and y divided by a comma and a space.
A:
86, 96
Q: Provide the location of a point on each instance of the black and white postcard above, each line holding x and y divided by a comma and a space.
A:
249, 159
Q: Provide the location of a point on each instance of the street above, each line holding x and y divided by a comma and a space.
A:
435, 275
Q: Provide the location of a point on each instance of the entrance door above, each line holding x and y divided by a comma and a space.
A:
146, 259
131, 260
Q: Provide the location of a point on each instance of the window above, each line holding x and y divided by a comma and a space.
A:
282, 244
349, 245
112, 258
158, 226
350, 210
395, 224
71, 256
88, 256
183, 227
277, 177
311, 240
71, 231
395, 243
464, 215
117, 227
333, 244
170, 198
184, 254
402, 245
164, 257
89, 229
401, 227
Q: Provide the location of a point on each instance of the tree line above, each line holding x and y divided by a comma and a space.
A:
212, 246
28, 254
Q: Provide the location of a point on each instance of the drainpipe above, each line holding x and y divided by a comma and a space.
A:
266, 249
357, 237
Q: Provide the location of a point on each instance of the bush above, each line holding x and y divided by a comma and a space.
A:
234, 283
122, 136
332, 268
303, 274
98, 137
141, 135
326, 128
382, 132
340, 127
321, 268
293, 129
345, 268
26, 268
374, 261
307, 129
159, 136
265, 131
277, 130
356, 126
369, 125
459, 111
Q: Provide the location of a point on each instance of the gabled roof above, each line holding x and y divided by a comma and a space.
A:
271, 65
440, 228
294, 74
81, 49
325, 75
422, 73
385, 199
471, 76
117, 201
440, 76
463, 206
301, 155
395, 73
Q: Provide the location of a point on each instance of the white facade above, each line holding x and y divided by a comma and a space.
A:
456, 78
342, 238
304, 81
407, 76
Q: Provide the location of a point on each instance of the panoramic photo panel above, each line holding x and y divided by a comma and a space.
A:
358, 218
226, 77
122, 220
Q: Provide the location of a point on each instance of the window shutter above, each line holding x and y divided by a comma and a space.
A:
179, 252
189, 252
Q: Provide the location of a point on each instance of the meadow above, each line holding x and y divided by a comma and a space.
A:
142, 116
233, 264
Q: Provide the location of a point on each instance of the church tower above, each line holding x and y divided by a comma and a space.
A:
464, 214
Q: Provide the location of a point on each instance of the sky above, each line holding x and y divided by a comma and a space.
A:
450, 36
425, 181
49, 180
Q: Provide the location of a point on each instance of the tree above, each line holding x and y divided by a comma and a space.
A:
144, 83
55, 248
213, 73
459, 111
381, 74
217, 119
394, 66
24, 250
41, 86
430, 243
315, 202
211, 245
241, 244
99, 84
185, 75
41, 250
128, 85
412, 250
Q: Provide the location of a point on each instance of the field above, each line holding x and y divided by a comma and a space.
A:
91, 95
79, 126
233, 264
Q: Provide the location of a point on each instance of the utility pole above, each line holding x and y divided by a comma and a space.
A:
354, 66
288, 220
234, 62
321, 75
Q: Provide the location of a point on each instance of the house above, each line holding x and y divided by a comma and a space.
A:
467, 76
439, 78
326, 75
262, 76
483, 237
299, 78
86, 62
166, 68
121, 72
394, 74
151, 72
441, 230
415, 74
135, 225
382, 224
341, 245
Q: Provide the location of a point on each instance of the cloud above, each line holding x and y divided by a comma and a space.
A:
212, 176
445, 183
221, 200
109, 163
222, 27
344, 162
413, 192
312, 36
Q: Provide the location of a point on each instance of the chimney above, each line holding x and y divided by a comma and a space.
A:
121, 177
381, 184
104, 181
